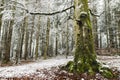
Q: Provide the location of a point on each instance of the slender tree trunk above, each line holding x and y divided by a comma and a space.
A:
56, 36
26, 39
31, 37
47, 38
37, 39
56, 45
1, 4
42, 45
67, 43
95, 29
119, 36
100, 40
22, 39
107, 9
110, 29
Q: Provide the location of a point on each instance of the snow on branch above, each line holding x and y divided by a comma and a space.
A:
12, 10
15, 2
35, 13
10, 3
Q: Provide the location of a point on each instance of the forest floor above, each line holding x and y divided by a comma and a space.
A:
49, 69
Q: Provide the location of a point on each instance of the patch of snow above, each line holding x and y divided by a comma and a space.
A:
110, 61
114, 3
29, 69
7, 14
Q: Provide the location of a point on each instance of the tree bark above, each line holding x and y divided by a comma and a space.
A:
85, 57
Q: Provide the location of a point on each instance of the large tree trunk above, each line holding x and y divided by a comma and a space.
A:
85, 57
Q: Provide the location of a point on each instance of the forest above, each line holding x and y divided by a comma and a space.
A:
59, 39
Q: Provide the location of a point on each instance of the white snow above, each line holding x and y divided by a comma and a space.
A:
29, 69
110, 61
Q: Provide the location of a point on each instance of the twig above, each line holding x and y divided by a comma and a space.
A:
95, 14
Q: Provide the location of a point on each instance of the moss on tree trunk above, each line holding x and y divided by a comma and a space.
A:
85, 56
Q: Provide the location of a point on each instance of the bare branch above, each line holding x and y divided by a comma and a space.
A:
52, 13
36, 13
95, 14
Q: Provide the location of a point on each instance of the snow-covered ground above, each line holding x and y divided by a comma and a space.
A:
31, 68
110, 61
